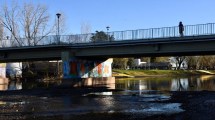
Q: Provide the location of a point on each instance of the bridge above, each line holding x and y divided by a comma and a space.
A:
166, 41
197, 40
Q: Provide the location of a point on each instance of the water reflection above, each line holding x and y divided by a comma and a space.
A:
94, 82
69, 105
192, 83
3, 83
179, 84
15, 85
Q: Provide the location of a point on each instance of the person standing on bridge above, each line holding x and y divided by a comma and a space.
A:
181, 29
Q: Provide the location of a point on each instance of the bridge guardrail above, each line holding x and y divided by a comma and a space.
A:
164, 32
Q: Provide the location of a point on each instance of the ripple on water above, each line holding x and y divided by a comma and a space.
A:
158, 108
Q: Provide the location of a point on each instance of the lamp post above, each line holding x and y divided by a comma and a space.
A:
58, 27
107, 31
58, 37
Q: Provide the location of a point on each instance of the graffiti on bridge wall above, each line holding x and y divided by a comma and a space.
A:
76, 68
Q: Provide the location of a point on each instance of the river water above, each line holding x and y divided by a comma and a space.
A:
138, 96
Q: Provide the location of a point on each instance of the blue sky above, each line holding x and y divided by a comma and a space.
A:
128, 14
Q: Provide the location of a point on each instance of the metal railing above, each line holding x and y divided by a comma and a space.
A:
164, 32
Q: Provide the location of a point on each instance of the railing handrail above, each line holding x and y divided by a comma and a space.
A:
150, 33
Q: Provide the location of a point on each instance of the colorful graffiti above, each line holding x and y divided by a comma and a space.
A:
77, 68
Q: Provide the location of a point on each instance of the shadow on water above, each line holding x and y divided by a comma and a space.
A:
96, 99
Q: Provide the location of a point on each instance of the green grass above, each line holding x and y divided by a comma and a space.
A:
117, 72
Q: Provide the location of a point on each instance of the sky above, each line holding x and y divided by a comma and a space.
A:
122, 15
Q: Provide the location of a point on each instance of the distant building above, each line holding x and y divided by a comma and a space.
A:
139, 63
171, 64
155, 65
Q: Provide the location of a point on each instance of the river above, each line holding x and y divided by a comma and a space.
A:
138, 97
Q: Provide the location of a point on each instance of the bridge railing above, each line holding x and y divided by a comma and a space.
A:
164, 32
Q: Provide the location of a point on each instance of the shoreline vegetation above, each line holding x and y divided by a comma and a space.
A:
153, 73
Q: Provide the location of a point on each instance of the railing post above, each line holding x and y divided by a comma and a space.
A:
122, 34
163, 32
212, 28
132, 34
174, 31
198, 30
152, 32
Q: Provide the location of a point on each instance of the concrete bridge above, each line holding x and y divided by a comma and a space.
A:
75, 50
174, 46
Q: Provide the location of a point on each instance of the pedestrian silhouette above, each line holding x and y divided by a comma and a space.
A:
181, 29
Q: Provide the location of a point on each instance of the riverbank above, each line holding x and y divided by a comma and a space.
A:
146, 73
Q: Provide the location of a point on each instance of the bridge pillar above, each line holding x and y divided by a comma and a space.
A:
74, 67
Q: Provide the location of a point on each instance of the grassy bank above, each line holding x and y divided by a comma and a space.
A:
142, 73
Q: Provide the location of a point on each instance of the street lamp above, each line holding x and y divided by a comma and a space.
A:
107, 31
58, 33
58, 17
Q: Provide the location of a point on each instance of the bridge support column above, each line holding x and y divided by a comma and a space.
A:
3, 79
74, 67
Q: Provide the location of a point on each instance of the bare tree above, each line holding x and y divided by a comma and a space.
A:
85, 31
85, 28
34, 21
1, 31
9, 20
28, 21
192, 62
179, 61
200, 62
1, 34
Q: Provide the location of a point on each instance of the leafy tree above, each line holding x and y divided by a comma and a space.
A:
131, 62
155, 59
120, 63
192, 62
101, 36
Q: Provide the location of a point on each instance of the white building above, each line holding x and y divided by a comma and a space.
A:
139, 63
